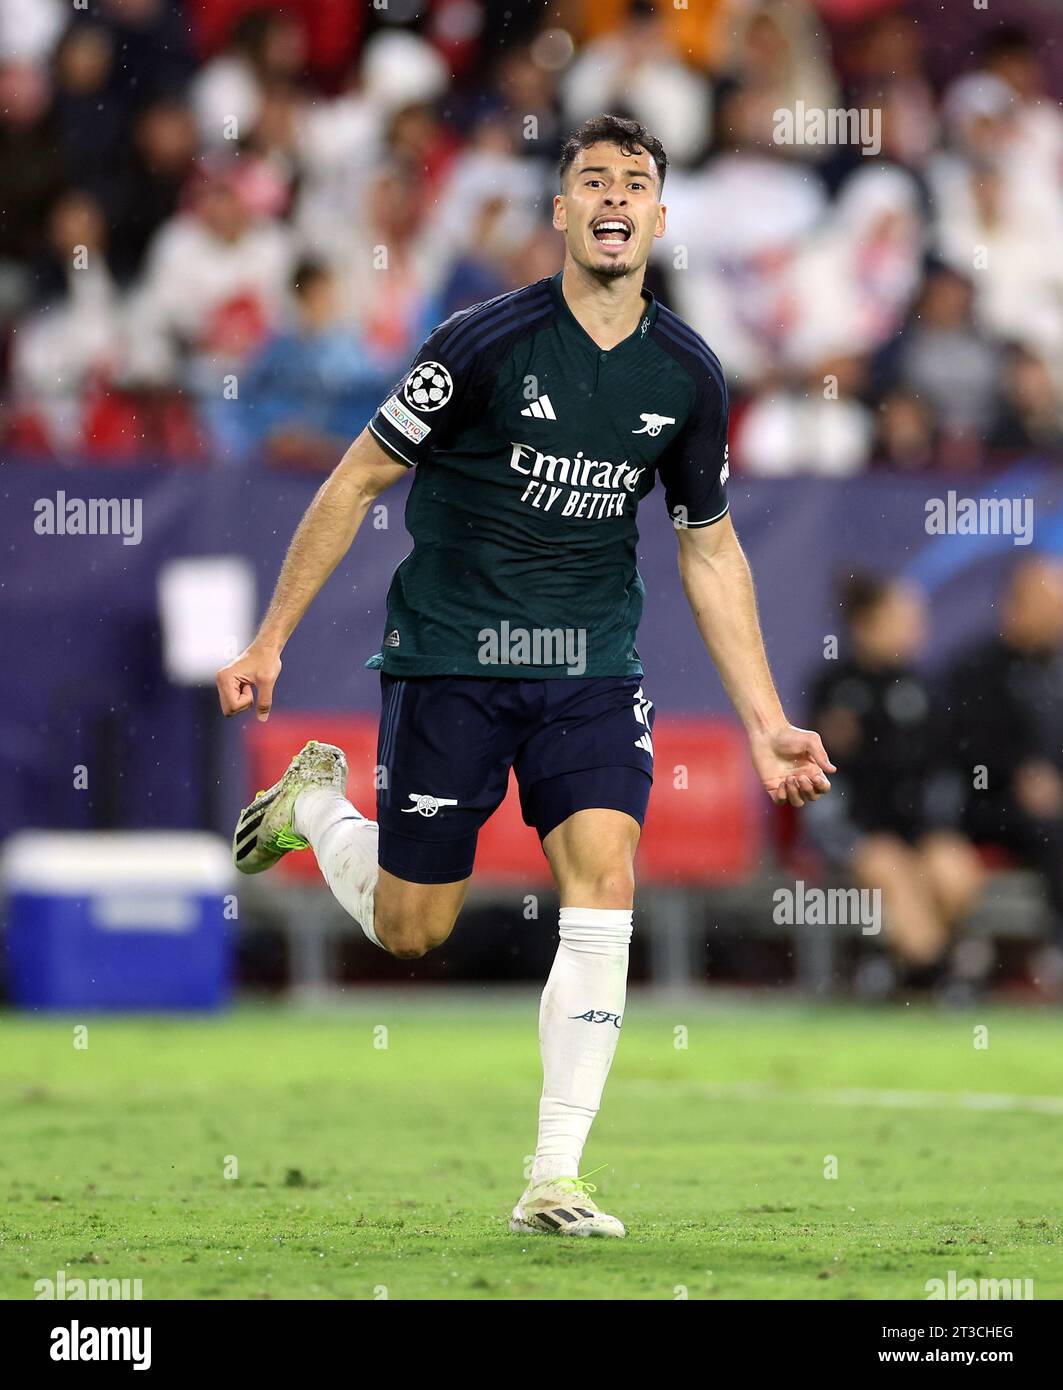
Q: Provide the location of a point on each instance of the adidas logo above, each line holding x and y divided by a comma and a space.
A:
540, 409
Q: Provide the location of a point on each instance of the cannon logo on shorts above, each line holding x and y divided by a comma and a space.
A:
426, 805
428, 386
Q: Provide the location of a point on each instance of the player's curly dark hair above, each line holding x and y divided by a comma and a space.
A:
628, 135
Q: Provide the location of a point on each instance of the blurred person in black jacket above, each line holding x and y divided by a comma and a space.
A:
1005, 712
886, 828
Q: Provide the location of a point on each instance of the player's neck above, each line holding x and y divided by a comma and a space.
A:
607, 310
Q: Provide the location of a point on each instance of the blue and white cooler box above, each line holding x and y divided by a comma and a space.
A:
108, 920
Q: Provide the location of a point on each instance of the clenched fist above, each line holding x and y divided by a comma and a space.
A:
249, 680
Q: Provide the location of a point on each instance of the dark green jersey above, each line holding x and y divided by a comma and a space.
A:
533, 448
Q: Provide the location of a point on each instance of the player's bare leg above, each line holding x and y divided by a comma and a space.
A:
591, 855
413, 918
406, 919
308, 808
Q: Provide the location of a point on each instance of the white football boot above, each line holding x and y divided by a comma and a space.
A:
563, 1207
264, 831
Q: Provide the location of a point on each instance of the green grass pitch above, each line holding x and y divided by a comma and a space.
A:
368, 1171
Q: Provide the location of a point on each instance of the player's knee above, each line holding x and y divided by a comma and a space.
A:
409, 938
607, 885
407, 947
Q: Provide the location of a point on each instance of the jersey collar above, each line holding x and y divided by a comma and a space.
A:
632, 342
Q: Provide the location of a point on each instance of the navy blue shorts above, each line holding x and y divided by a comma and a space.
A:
447, 743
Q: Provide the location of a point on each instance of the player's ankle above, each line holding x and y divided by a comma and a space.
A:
550, 1167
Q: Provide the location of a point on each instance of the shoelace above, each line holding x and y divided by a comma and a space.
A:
288, 839
580, 1186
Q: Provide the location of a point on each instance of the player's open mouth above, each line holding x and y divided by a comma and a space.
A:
612, 231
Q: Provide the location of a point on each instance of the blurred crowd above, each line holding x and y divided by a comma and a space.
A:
943, 780
228, 224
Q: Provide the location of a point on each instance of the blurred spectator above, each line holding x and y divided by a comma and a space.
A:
904, 433
525, 100
1011, 54
344, 139
91, 115
1031, 415
313, 387
153, 38
855, 278
29, 29
392, 273
159, 162
400, 69
1005, 726
32, 168
823, 429
885, 66
781, 52
635, 71
72, 340
734, 235
943, 360
270, 151
333, 27
493, 199
880, 824
999, 220
501, 265
267, 49
701, 31
481, 272
214, 284
416, 138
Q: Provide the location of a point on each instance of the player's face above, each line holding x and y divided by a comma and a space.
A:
609, 211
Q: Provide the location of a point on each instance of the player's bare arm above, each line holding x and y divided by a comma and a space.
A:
321, 540
791, 763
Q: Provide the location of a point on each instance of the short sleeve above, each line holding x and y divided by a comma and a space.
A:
423, 411
694, 468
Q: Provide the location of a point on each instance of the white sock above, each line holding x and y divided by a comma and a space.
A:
346, 847
589, 977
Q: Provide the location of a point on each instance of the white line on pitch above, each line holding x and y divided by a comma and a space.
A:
887, 1099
